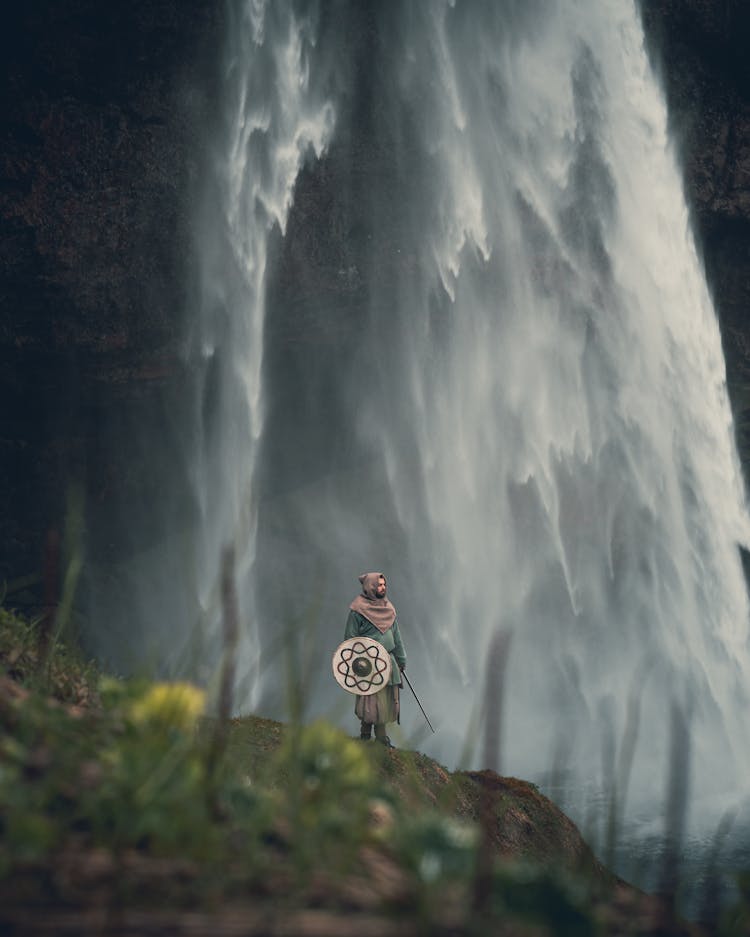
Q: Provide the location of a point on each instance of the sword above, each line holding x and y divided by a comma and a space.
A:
408, 681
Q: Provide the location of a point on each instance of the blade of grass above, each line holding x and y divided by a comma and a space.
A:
494, 684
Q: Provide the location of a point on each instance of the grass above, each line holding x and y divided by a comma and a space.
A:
115, 794
65, 675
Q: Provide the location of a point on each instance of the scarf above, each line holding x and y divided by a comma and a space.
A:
380, 612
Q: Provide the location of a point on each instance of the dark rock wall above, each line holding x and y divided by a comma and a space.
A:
100, 115
104, 111
700, 48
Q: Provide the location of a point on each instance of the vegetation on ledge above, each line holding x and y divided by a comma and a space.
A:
124, 810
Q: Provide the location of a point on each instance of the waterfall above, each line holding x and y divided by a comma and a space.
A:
449, 322
273, 119
492, 369
539, 385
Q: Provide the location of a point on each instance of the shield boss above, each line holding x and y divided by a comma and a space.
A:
361, 666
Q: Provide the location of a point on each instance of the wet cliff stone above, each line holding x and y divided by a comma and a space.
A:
104, 111
99, 114
700, 47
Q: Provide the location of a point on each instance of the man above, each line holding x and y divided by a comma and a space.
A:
371, 615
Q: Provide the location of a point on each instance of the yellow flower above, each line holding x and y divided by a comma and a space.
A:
169, 706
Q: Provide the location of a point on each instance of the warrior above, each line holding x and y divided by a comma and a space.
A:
371, 615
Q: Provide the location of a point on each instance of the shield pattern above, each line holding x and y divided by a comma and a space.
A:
361, 666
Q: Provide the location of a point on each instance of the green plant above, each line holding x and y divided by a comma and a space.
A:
328, 780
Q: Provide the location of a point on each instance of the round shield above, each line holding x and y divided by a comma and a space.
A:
361, 666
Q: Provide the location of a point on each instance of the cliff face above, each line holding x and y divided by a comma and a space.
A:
700, 48
101, 114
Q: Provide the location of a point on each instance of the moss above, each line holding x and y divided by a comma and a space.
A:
526, 824
120, 803
63, 672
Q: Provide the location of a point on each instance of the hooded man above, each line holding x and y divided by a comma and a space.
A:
371, 615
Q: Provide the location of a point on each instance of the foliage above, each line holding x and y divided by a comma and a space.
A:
543, 895
151, 772
127, 773
736, 918
297, 815
67, 676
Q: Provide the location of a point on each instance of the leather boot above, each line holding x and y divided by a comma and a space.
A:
381, 737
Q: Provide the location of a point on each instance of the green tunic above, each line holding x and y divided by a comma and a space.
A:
357, 626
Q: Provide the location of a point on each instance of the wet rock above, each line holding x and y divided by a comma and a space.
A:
700, 47
103, 116
99, 118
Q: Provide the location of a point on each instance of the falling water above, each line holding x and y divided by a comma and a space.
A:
272, 120
451, 324
512, 398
